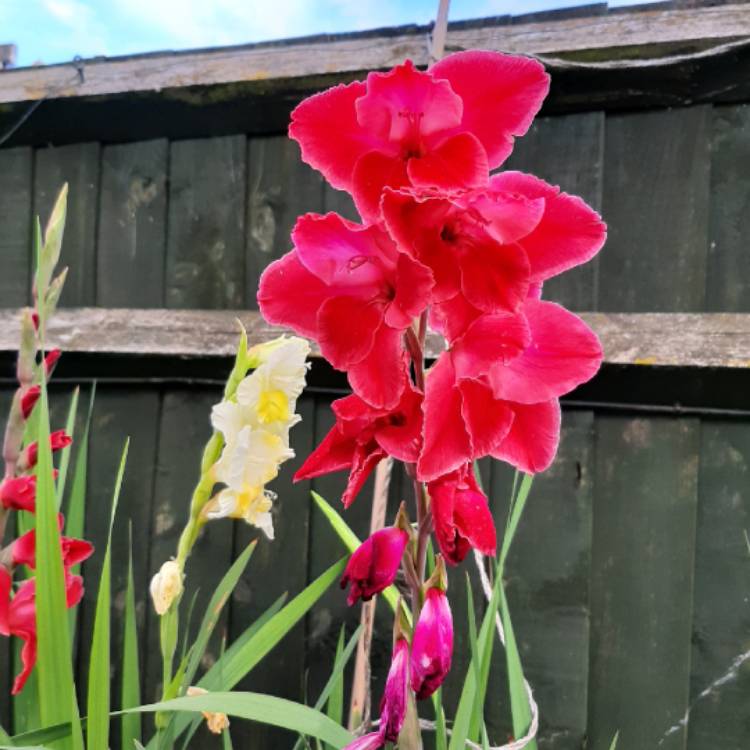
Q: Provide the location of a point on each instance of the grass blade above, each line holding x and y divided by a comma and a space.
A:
70, 426
615, 739
441, 735
131, 690
335, 707
97, 729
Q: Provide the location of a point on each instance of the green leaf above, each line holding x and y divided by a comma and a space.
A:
615, 739
97, 729
54, 666
441, 736
65, 452
131, 691
265, 709
514, 517
335, 708
4, 737
351, 542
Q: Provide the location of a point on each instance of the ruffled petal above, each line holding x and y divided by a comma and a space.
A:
473, 520
331, 139
289, 295
414, 283
500, 94
507, 217
563, 353
372, 174
334, 453
365, 460
453, 317
401, 435
346, 329
487, 420
534, 435
569, 233
459, 162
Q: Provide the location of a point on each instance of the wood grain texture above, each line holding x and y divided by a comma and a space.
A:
648, 339
206, 225
728, 274
78, 165
720, 678
132, 225
343, 53
655, 200
642, 567
548, 592
15, 220
276, 567
567, 151
280, 188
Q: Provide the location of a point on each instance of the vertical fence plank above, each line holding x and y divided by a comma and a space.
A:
642, 580
276, 567
655, 201
720, 679
205, 239
280, 188
132, 225
78, 165
547, 578
567, 151
15, 221
728, 277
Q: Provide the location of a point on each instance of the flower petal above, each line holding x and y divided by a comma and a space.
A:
346, 329
414, 283
487, 419
459, 162
372, 173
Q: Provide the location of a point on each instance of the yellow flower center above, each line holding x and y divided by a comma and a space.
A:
245, 501
273, 406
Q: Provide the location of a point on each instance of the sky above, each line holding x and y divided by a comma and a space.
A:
52, 31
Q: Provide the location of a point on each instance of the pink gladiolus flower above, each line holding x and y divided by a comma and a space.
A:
444, 128
57, 440
18, 617
374, 564
348, 287
362, 436
393, 705
18, 493
432, 644
51, 360
371, 741
461, 515
28, 400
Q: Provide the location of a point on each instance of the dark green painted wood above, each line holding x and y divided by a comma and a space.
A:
340, 202
78, 165
720, 675
276, 567
655, 201
131, 242
642, 566
568, 151
547, 581
728, 275
206, 224
183, 431
15, 224
280, 188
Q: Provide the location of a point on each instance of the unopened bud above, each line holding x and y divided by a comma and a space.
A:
28, 400
166, 586
50, 361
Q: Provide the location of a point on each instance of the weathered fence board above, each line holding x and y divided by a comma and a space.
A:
642, 580
656, 182
78, 165
132, 225
15, 220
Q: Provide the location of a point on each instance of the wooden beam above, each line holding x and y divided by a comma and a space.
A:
348, 53
696, 340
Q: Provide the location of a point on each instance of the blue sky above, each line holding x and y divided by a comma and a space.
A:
52, 31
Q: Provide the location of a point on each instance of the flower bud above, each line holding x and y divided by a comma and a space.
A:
370, 741
374, 564
28, 400
393, 706
50, 361
166, 586
57, 441
432, 644
215, 721
18, 493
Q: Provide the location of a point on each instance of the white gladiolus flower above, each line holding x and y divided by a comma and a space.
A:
166, 586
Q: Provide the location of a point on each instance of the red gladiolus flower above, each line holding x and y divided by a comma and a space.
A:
374, 564
393, 705
18, 617
28, 400
347, 286
51, 360
432, 644
18, 493
461, 515
74, 551
362, 436
57, 440
444, 128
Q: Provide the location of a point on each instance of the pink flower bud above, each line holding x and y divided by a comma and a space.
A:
57, 440
18, 493
28, 400
374, 564
51, 360
432, 645
35, 320
393, 705
370, 741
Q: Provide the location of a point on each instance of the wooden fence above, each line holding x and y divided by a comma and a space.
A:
629, 581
